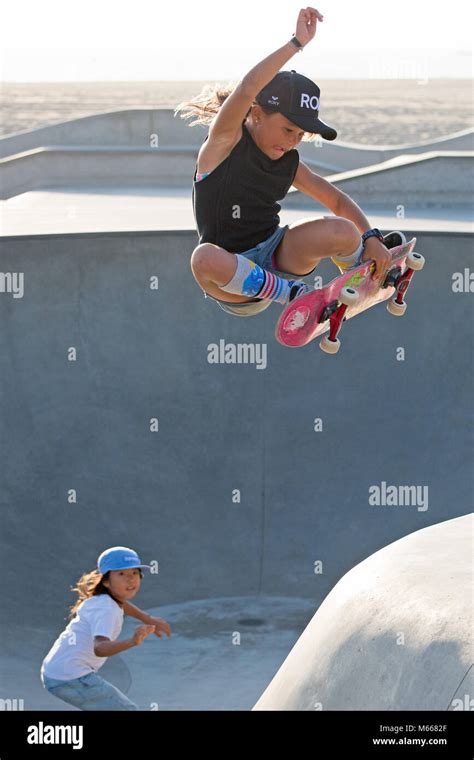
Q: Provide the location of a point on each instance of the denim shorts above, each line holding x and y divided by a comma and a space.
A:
263, 255
89, 692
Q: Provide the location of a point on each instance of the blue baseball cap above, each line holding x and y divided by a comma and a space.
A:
118, 558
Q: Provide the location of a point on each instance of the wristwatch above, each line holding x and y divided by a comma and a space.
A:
372, 233
296, 42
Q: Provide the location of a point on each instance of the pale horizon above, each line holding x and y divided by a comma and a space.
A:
107, 42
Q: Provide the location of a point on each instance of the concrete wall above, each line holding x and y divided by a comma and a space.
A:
44, 168
135, 126
442, 180
142, 354
117, 148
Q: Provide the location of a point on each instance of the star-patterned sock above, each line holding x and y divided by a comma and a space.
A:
251, 280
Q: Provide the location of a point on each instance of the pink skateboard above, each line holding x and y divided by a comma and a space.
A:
344, 297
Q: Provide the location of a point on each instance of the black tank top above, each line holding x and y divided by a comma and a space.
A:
235, 206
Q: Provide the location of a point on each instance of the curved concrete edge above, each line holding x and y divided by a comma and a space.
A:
393, 634
462, 136
402, 161
133, 127
347, 156
80, 166
432, 179
436, 179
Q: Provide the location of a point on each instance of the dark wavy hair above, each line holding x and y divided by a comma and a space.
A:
91, 584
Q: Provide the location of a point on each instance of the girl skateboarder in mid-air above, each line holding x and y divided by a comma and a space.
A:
69, 670
248, 161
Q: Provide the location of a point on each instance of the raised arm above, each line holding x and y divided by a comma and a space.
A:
263, 72
234, 109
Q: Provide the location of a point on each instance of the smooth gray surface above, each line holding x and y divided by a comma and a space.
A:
129, 210
394, 634
438, 180
221, 655
153, 147
43, 168
141, 354
134, 126
130, 127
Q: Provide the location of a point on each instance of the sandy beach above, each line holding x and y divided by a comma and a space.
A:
369, 112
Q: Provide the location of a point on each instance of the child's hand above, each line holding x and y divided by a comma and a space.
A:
377, 252
306, 24
161, 626
141, 632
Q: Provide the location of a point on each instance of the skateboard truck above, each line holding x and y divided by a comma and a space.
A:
322, 314
414, 262
335, 312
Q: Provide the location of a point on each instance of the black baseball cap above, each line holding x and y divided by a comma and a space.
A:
297, 98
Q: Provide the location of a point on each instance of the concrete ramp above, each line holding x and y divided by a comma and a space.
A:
300, 437
149, 147
437, 179
346, 155
394, 634
133, 127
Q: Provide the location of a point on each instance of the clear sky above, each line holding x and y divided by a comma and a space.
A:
98, 40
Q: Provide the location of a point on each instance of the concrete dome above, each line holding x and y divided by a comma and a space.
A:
393, 634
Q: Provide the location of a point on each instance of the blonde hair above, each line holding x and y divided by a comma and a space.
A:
206, 105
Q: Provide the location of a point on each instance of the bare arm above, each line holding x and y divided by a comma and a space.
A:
235, 108
349, 209
263, 72
342, 205
318, 188
374, 249
132, 611
103, 647
159, 624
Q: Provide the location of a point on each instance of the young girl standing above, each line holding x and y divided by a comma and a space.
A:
248, 161
69, 670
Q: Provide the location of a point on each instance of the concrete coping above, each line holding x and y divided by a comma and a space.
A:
169, 112
105, 149
409, 229
398, 161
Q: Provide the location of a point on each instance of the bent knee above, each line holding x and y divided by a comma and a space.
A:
342, 229
203, 258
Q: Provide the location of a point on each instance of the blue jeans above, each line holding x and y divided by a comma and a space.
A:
89, 692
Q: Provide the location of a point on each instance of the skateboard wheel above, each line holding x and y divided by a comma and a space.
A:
329, 346
415, 261
397, 309
348, 296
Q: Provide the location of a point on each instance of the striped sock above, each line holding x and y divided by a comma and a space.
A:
275, 288
251, 280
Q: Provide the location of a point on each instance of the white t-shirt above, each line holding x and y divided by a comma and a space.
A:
72, 654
